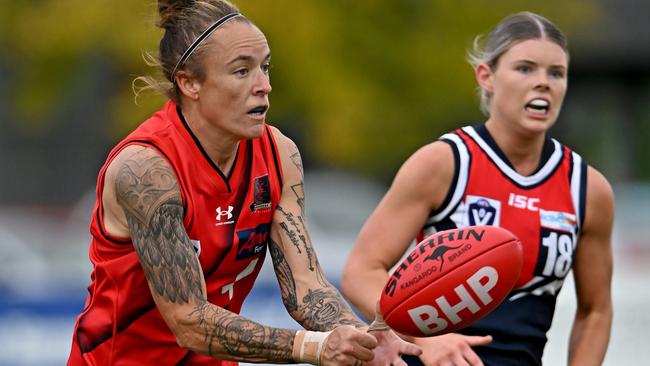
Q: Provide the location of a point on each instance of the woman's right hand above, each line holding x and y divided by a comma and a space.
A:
451, 349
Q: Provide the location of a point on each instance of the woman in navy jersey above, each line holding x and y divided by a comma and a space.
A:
187, 205
507, 172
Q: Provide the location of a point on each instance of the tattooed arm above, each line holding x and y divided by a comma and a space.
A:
308, 296
142, 201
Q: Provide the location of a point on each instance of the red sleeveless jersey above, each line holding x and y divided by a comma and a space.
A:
544, 210
228, 219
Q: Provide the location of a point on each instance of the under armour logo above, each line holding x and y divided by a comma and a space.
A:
221, 213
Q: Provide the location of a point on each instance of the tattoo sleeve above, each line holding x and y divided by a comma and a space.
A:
297, 161
238, 336
148, 192
321, 307
285, 277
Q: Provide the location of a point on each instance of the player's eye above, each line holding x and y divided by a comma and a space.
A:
524, 69
266, 67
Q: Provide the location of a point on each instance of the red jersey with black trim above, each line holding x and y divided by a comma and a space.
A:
228, 219
544, 210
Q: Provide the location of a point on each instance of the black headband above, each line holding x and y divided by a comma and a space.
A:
200, 39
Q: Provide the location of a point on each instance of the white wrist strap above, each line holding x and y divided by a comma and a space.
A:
308, 346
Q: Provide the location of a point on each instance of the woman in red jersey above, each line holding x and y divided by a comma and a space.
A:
187, 205
506, 172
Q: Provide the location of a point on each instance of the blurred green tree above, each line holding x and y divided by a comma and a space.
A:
358, 84
373, 80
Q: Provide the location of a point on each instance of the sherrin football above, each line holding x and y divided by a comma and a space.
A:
451, 279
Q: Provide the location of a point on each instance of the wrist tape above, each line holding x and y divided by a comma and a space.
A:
308, 346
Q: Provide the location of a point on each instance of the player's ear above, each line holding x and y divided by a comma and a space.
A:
188, 85
484, 74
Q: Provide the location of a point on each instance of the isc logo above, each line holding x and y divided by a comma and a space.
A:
521, 201
427, 317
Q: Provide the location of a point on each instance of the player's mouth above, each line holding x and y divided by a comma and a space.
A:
258, 112
538, 106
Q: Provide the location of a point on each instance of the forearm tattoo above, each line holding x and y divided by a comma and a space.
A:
322, 308
296, 231
148, 192
239, 336
285, 277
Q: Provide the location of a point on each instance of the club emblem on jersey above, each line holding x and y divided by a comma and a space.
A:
483, 210
261, 194
252, 241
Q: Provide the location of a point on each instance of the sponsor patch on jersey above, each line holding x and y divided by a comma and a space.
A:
483, 210
252, 241
261, 194
557, 220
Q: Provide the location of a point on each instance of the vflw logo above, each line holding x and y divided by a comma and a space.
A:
483, 210
224, 215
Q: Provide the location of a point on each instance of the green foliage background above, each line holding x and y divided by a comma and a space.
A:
358, 84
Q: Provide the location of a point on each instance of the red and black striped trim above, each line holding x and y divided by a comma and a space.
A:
276, 157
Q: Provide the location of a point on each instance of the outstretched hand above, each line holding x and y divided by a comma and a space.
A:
452, 349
